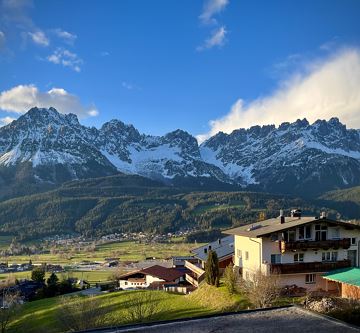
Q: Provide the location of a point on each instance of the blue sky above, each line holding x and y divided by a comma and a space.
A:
162, 65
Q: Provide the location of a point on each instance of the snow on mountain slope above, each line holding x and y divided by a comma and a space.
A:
295, 157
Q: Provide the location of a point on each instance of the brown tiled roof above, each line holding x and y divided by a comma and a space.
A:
167, 274
267, 227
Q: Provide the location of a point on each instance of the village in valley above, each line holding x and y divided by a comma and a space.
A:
313, 261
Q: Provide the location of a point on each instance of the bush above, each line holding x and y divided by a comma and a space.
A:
230, 279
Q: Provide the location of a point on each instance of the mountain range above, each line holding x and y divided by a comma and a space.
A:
44, 148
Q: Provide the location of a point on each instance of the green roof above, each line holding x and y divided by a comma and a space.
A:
345, 275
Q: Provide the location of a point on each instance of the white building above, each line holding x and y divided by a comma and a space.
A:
152, 277
297, 249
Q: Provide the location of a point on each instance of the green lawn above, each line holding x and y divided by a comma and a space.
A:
91, 276
41, 316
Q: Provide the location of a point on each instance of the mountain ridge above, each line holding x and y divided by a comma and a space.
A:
296, 157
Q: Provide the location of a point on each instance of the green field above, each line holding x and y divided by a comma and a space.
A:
126, 251
41, 316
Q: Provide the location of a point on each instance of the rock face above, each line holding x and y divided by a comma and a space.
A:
293, 158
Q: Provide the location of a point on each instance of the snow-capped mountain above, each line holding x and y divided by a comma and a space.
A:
296, 157
59, 148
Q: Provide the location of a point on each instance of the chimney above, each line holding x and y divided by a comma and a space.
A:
282, 217
296, 213
219, 241
323, 215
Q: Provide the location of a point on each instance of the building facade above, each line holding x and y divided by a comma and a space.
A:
298, 250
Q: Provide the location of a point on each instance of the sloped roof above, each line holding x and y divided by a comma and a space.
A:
345, 275
223, 248
269, 226
164, 273
167, 274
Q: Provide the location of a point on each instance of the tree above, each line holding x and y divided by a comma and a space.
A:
52, 280
9, 310
81, 313
52, 285
38, 274
262, 290
143, 307
212, 273
230, 279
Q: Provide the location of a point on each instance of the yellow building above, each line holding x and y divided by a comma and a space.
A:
299, 250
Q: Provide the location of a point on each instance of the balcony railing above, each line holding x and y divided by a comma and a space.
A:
326, 244
195, 269
308, 267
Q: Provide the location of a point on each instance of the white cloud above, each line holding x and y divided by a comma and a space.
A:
211, 8
104, 54
39, 38
129, 86
65, 58
216, 39
6, 120
2, 40
66, 36
325, 88
23, 97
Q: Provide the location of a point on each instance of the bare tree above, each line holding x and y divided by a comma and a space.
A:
262, 290
78, 313
143, 307
10, 308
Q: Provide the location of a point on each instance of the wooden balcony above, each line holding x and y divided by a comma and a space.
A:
327, 244
308, 267
193, 268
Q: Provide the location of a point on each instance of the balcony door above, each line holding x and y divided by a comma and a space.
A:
352, 257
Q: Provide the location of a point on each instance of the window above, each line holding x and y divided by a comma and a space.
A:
329, 256
353, 241
298, 257
126, 283
320, 232
246, 255
334, 256
289, 236
276, 258
301, 233
239, 253
310, 278
305, 232
326, 256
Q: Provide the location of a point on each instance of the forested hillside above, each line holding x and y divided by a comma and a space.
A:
125, 203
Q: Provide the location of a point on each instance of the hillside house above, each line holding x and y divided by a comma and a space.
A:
153, 277
300, 250
224, 249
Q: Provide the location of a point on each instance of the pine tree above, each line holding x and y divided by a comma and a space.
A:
212, 273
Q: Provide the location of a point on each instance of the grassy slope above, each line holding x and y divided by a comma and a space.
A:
40, 316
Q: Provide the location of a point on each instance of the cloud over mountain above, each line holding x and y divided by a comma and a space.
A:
20, 98
323, 89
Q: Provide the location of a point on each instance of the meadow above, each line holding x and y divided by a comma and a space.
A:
42, 315
127, 251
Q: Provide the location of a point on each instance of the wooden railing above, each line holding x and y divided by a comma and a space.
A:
326, 244
191, 280
197, 270
308, 267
